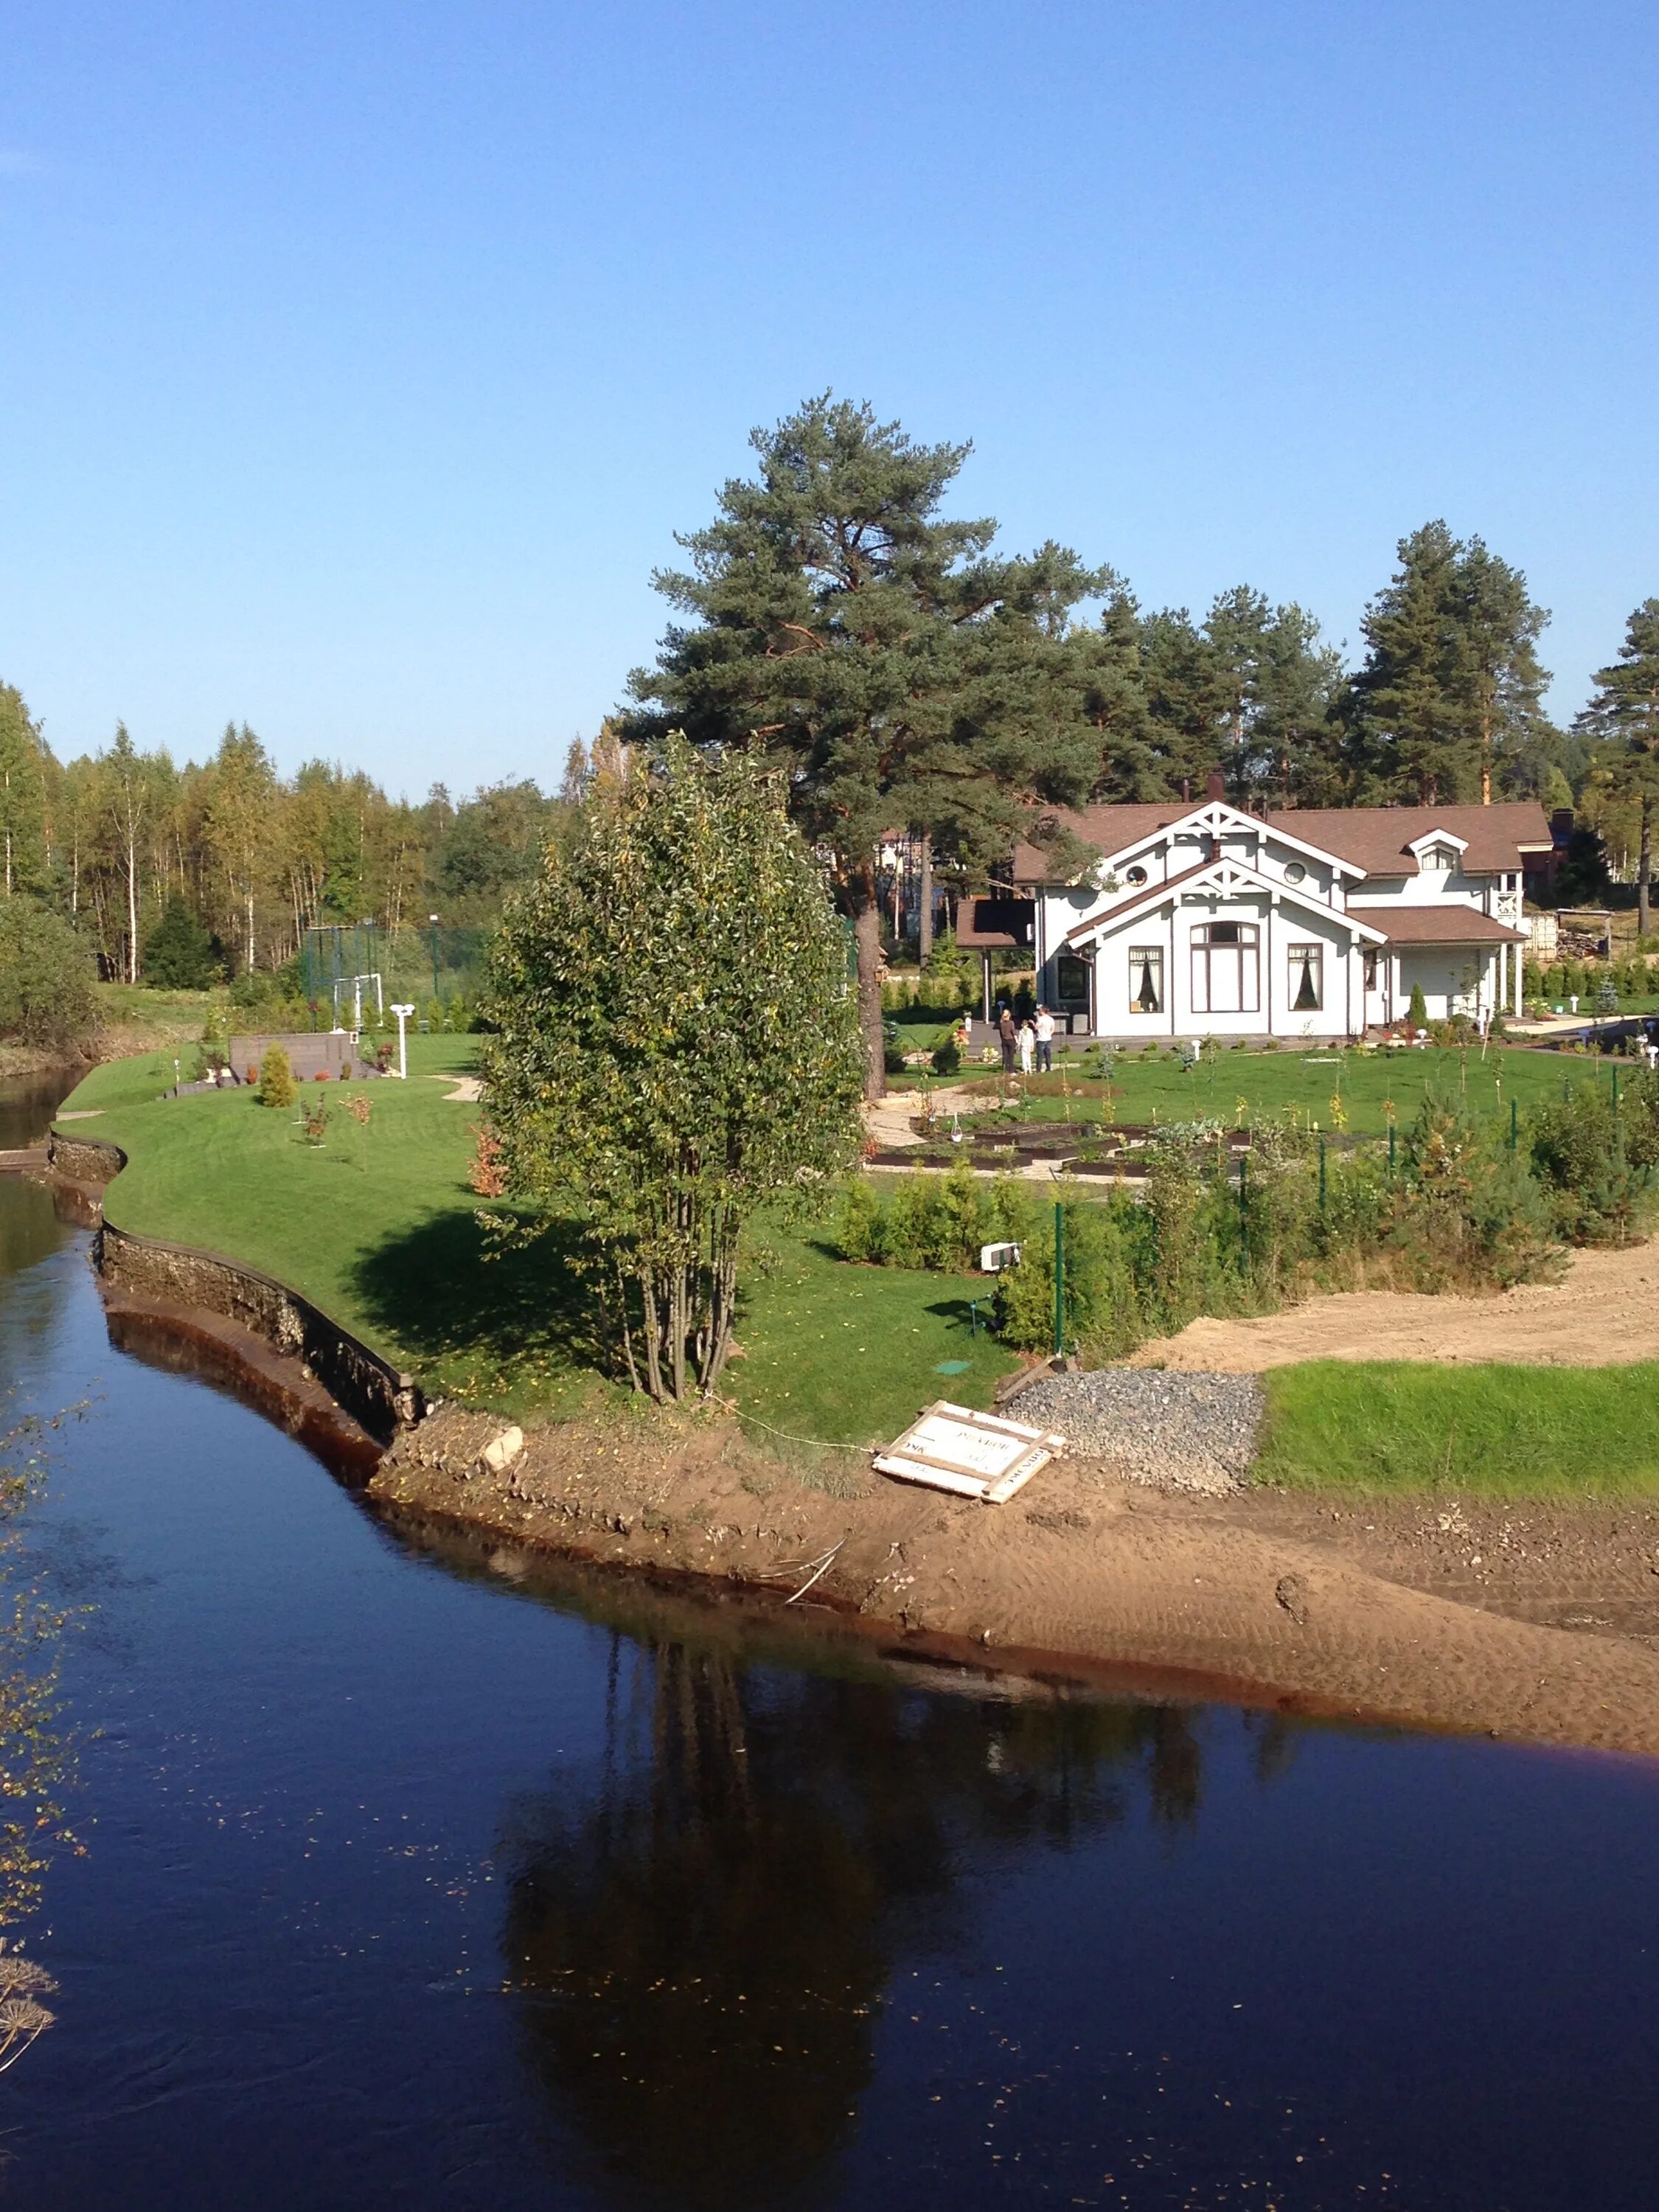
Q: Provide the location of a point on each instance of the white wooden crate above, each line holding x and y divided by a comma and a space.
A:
976, 1455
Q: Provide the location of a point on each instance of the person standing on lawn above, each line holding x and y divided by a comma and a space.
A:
1009, 1035
1044, 1026
1027, 1047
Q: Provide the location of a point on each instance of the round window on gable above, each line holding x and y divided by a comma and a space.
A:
1136, 876
1295, 873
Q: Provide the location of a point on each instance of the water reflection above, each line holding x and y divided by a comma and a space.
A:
700, 1935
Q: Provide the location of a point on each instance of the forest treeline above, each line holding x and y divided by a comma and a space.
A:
164, 869
223, 865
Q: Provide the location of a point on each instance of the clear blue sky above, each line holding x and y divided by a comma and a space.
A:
359, 359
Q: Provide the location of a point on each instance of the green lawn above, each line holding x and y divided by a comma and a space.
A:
378, 1227
1492, 1432
1229, 1085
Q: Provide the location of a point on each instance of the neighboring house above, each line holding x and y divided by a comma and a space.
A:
1199, 921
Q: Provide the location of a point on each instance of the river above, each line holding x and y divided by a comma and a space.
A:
414, 1873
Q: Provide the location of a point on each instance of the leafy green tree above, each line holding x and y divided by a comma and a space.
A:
179, 953
46, 978
1624, 709
906, 677
677, 1046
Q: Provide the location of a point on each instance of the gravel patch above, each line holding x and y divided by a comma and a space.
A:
1170, 1430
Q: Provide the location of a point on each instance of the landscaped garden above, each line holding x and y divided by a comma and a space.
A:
1356, 1090
379, 1226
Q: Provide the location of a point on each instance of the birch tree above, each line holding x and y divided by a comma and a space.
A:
678, 1045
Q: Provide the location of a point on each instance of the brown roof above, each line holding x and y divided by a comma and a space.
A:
1437, 925
1374, 838
1110, 828
989, 925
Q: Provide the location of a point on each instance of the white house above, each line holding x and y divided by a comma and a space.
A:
1200, 920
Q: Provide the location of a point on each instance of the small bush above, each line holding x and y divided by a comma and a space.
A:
857, 1219
275, 1078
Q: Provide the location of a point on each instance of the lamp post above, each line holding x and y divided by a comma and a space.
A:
432, 918
403, 1014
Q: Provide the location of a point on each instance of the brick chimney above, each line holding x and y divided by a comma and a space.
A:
1216, 789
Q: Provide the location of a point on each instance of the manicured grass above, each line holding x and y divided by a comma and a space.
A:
1272, 1084
378, 1227
1395, 1427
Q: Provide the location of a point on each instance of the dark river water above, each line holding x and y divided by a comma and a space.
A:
412, 1877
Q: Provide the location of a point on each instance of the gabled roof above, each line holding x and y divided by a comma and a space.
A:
1374, 839
1225, 878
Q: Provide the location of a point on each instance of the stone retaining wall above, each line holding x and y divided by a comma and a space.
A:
379, 1395
83, 1159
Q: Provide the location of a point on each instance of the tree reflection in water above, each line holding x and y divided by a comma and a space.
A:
36, 1759
701, 1948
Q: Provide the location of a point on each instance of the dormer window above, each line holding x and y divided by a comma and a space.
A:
1295, 873
1440, 856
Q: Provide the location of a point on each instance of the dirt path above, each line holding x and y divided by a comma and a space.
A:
1605, 1312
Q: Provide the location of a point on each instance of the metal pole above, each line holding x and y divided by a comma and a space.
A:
1391, 1150
1322, 1175
1515, 1125
1059, 1278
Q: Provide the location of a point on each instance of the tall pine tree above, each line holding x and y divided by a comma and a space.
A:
1624, 709
908, 677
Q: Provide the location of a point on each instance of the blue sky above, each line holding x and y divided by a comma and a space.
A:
360, 360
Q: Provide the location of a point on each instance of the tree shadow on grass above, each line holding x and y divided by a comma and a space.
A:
455, 1304
960, 1312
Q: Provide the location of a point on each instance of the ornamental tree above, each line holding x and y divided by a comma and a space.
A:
678, 1045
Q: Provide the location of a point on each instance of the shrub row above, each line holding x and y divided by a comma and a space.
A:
1458, 1209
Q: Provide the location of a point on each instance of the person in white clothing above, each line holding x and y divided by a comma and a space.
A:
1027, 1047
1044, 1026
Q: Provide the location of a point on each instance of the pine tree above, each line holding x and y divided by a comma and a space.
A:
908, 677
1410, 728
1625, 710
1448, 697
179, 952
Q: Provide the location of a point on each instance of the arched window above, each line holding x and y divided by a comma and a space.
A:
1226, 968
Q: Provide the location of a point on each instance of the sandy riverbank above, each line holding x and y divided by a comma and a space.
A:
1525, 1623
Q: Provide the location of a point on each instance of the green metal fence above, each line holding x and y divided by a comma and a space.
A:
362, 964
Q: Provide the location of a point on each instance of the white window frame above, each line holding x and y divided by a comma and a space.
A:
1246, 946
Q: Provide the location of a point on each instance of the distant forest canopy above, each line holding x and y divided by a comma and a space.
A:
226, 864
171, 873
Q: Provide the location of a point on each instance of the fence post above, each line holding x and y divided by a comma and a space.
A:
1244, 1212
1059, 1278
1322, 1175
1515, 1125
1391, 1151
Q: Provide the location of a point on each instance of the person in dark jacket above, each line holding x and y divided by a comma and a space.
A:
1009, 1034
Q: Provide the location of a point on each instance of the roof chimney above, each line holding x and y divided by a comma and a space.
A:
1216, 789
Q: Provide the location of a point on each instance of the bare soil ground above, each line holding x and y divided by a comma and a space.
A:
1604, 1312
1524, 1624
